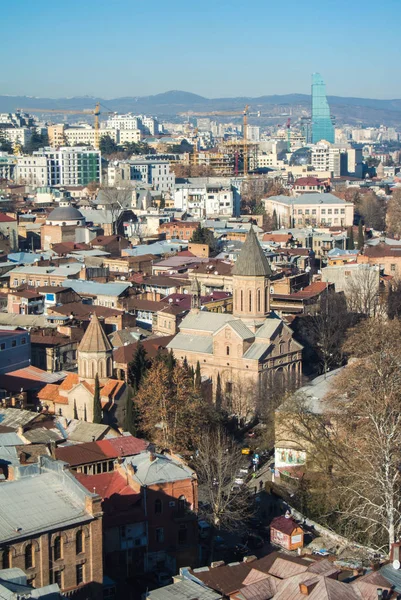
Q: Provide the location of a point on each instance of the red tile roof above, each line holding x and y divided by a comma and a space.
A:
124, 354
307, 181
127, 445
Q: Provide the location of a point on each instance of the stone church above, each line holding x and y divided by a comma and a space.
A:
73, 398
252, 350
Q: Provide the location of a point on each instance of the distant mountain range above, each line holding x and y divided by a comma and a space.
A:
364, 111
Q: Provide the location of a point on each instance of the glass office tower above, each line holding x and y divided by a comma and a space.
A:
322, 126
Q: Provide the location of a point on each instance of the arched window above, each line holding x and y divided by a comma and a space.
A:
158, 506
29, 556
236, 299
79, 542
57, 548
258, 301
242, 300
6, 558
250, 301
266, 308
182, 502
228, 350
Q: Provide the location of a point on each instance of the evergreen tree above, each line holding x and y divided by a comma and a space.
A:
198, 378
138, 366
275, 221
185, 364
97, 405
85, 414
350, 239
361, 237
129, 421
75, 410
219, 395
170, 361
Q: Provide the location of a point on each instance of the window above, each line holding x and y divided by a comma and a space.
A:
182, 502
6, 559
343, 211
229, 387
307, 211
336, 211
182, 534
242, 300
158, 506
29, 556
228, 350
57, 576
160, 535
13, 343
347, 273
313, 211
79, 569
79, 542
23, 341
57, 548
329, 211
2, 346
250, 301
323, 211
258, 300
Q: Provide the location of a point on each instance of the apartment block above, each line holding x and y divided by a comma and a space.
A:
310, 210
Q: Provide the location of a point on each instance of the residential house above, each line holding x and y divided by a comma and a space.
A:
178, 230
310, 210
110, 294
26, 302
387, 258
15, 349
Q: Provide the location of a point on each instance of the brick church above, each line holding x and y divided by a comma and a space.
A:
252, 350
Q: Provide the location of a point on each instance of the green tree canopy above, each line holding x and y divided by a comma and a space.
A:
97, 405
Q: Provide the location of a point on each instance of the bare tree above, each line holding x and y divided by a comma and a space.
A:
363, 291
116, 200
217, 464
393, 218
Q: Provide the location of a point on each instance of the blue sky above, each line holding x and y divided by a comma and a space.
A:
213, 48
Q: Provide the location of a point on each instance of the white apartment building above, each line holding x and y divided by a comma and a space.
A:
210, 200
326, 157
7, 166
154, 172
17, 135
310, 210
86, 134
146, 124
33, 170
129, 136
65, 166
253, 133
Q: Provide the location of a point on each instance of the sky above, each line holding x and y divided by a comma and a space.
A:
214, 48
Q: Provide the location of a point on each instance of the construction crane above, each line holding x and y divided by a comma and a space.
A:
228, 113
87, 111
288, 135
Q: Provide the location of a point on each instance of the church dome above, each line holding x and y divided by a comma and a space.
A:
65, 213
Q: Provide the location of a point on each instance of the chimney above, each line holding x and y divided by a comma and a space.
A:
307, 587
379, 593
152, 456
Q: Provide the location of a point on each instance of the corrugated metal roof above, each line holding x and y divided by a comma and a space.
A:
162, 469
240, 328
34, 504
268, 328
97, 289
257, 350
194, 343
16, 417
205, 321
183, 590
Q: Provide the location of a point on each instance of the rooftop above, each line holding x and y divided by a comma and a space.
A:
309, 199
251, 261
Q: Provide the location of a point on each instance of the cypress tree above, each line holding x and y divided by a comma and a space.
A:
198, 377
75, 410
350, 239
185, 364
219, 395
361, 236
170, 361
129, 421
138, 366
97, 405
275, 221
85, 414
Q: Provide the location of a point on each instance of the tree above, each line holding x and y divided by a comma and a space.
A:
75, 410
362, 291
198, 377
324, 333
372, 210
394, 300
219, 394
350, 239
170, 361
138, 366
217, 463
361, 236
36, 141
202, 235
171, 412
107, 145
116, 200
97, 405
370, 473
129, 420
5, 144
393, 219
275, 221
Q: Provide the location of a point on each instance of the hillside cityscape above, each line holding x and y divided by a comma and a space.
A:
200, 346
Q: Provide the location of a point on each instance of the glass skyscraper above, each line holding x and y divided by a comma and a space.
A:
322, 126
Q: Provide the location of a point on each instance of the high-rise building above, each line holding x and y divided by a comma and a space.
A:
322, 126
